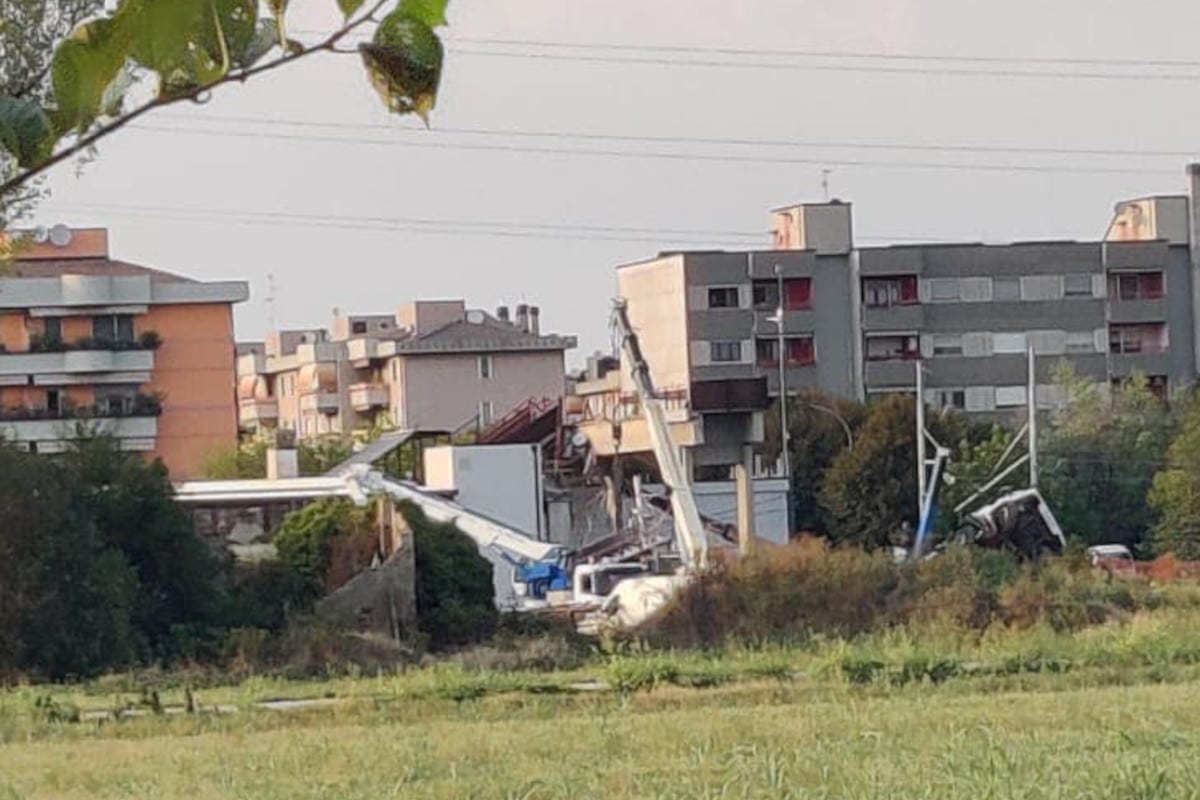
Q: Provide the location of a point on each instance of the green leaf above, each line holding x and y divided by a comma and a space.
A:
431, 12
189, 43
348, 7
265, 38
84, 70
404, 62
25, 131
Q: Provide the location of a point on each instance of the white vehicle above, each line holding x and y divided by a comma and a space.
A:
1113, 558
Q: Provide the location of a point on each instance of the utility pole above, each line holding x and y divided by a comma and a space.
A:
1031, 402
825, 173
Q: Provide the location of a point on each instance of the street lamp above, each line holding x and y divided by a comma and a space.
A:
784, 434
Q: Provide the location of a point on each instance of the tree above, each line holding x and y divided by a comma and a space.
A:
178, 581
305, 540
184, 49
1099, 456
1175, 494
869, 493
65, 595
820, 427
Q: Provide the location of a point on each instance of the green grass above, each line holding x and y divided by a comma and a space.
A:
939, 713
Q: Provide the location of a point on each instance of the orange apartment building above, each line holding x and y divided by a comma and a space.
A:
143, 355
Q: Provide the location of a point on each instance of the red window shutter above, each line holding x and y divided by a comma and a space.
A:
1151, 284
797, 293
800, 351
908, 289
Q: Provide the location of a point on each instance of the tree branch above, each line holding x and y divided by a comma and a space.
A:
327, 44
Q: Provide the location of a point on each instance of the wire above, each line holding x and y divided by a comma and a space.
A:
415, 225
648, 139
683, 157
767, 65
864, 55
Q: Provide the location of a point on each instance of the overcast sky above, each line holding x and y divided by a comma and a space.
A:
333, 209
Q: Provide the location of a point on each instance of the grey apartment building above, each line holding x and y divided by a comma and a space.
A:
858, 320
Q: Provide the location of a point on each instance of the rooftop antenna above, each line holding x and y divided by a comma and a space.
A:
825, 173
270, 301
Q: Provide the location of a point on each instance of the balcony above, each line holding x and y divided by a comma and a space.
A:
895, 317
76, 362
1136, 311
256, 413
368, 396
320, 402
135, 425
891, 374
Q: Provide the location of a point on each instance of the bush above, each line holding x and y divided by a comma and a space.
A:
455, 593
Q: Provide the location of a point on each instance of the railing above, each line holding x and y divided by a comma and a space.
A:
142, 405
38, 343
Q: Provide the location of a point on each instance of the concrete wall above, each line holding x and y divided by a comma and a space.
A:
657, 304
444, 391
498, 481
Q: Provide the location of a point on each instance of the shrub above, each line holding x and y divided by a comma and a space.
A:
455, 593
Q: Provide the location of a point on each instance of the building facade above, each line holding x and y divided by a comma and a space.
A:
721, 329
434, 365
144, 355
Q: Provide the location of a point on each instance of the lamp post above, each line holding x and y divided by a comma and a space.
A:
784, 434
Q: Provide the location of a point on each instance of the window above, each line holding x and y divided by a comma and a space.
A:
1136, 285
950, 398
893, 291
801, 352
487, 370
113, 328
766, 352
1125, 339
54, 400
1008, 343
485, 412
358, 327
1041, 287
766, 295
1158, 386
1081, 342
975, 290
52, 329
1077, 285
943, 290
893, 348
723, 297
947, 345
1006, 290
1010, 396
725, 352
115, 401
797, 293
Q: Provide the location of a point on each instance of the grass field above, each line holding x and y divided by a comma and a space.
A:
1109, 712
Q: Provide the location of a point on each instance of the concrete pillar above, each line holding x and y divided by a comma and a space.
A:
282, 463
745, 502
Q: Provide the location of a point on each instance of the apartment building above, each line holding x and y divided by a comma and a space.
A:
433, 365
144, 355
722, 329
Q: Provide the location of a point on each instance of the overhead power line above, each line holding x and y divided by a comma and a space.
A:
455, 227
682, 157
272, 122
775, 52
940, 71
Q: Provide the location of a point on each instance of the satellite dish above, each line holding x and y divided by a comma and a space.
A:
579, 439
40, 234
60, 236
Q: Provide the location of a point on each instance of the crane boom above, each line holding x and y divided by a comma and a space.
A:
689, 532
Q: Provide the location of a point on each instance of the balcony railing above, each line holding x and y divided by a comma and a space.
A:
323, 402
366, 396
257, 411
40, 343
142, 405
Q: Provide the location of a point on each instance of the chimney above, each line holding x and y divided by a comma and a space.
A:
522, 316
535, 325
502, 313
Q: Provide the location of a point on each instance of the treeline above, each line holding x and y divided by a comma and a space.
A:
1116, 464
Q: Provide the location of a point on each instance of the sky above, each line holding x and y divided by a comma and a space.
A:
301, 184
